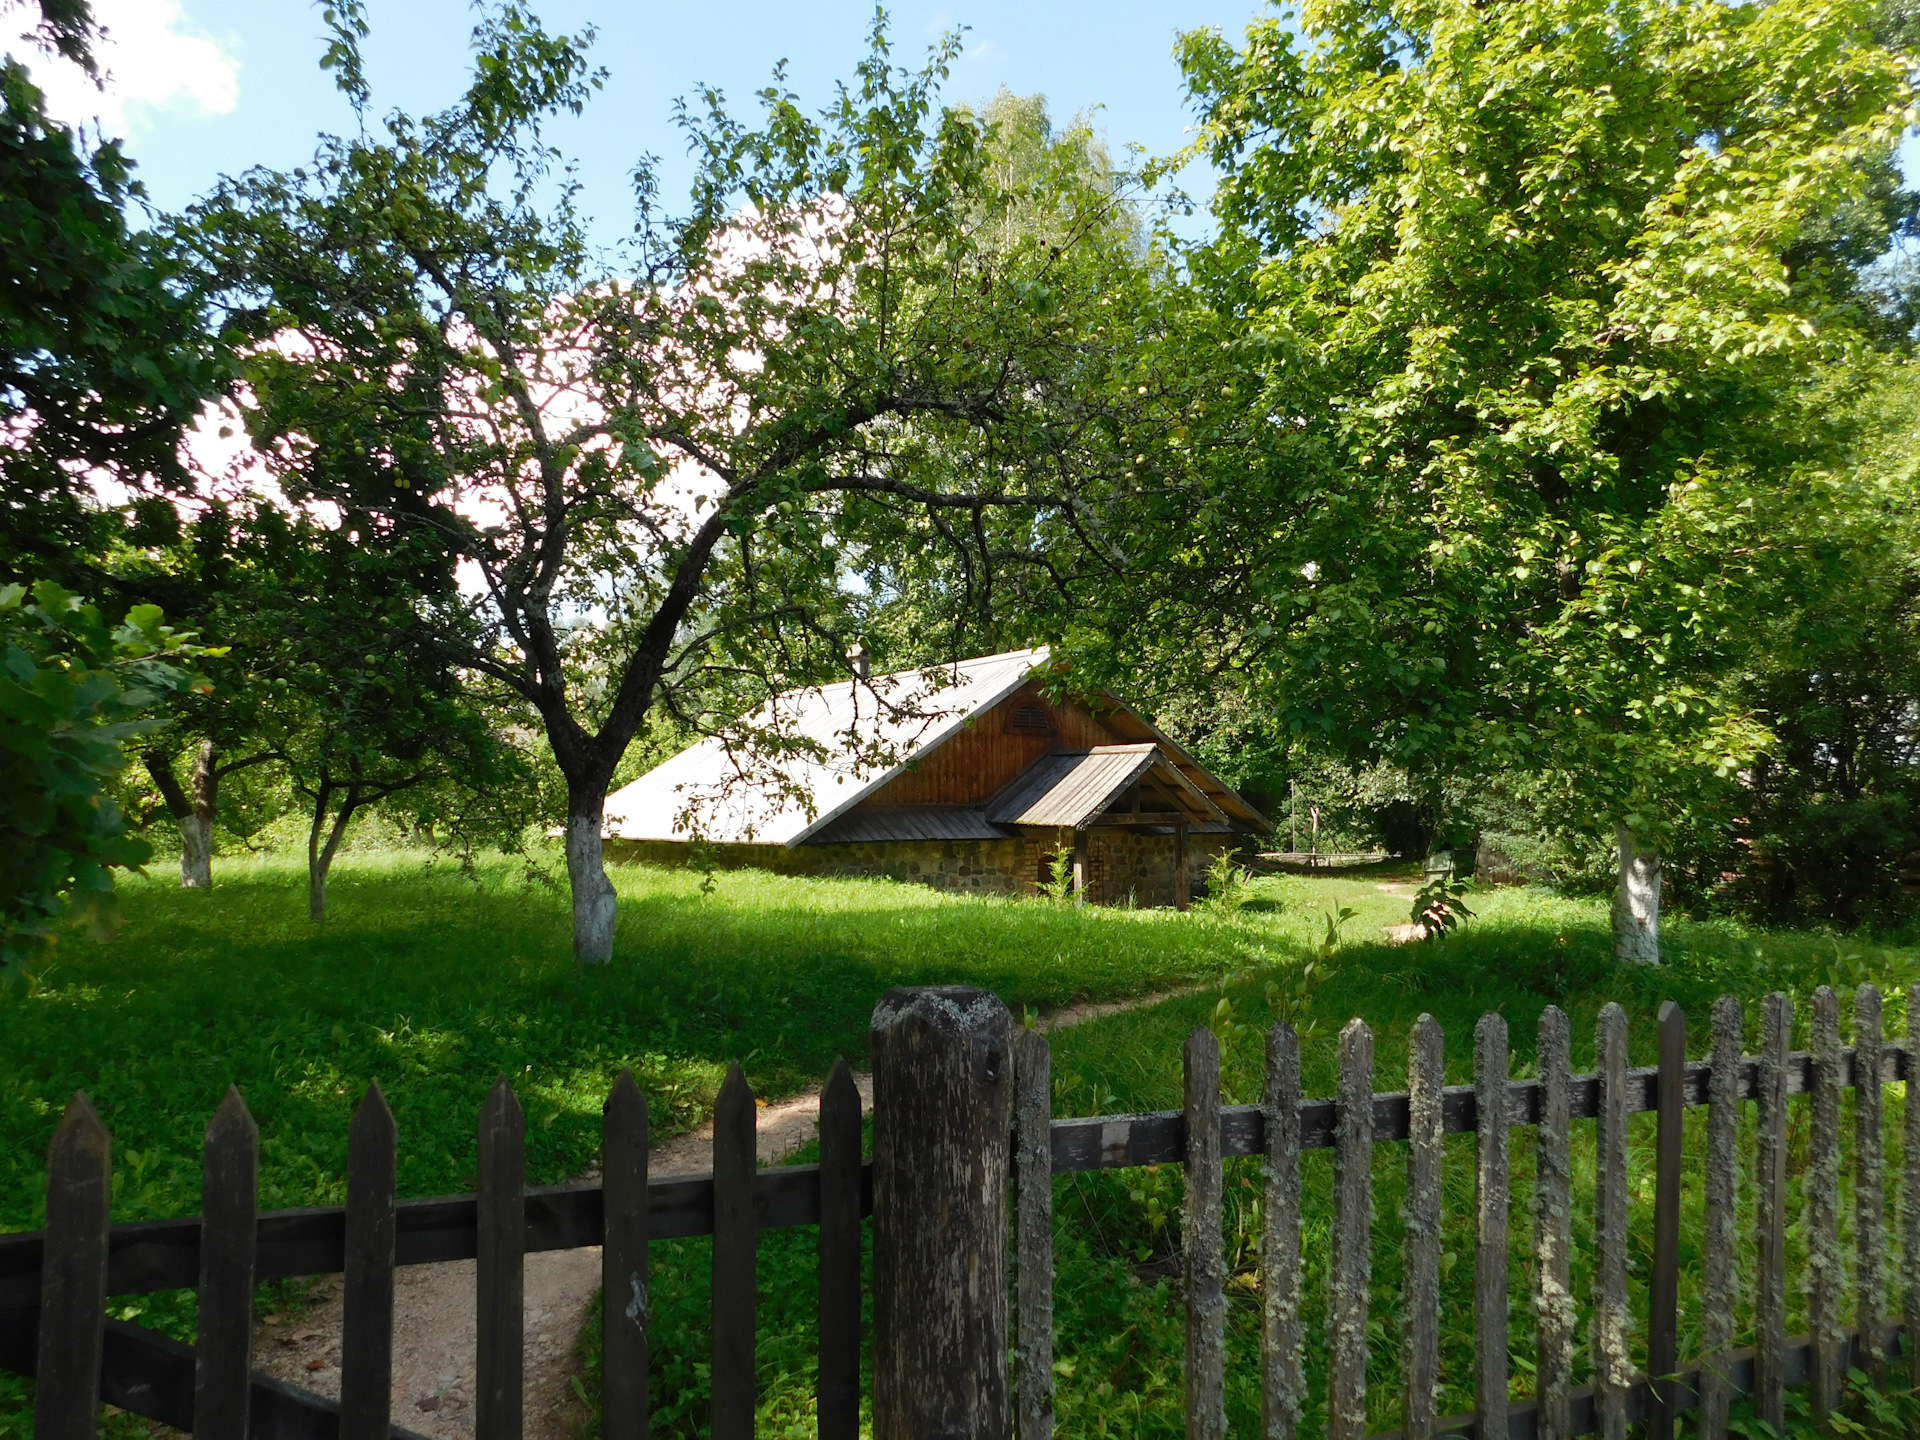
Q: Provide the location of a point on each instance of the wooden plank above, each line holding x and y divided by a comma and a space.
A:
1869, 1183
1553, 1304
1350, 1273
1612, 1320
1770, 1213
500, 1270
838, 1390
73, 1276
229, 1204
1420, 1292
626, 1285
1201, 1239
735, 1256
1663, 1297
1910, 1198
366, 1321
1720, 1289
1492, 1204
1825, 1282
1033, 1169
1281, 1382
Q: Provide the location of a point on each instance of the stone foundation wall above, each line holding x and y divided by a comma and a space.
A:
988, 867
1122, 865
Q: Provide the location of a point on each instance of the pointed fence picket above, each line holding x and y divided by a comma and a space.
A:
54, 1285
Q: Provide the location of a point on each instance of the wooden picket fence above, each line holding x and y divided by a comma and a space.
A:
962, 1111
54, 1283
1284, 1125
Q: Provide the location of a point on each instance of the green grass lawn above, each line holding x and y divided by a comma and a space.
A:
434, 983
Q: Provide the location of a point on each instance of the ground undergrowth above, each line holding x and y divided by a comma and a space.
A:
435, 982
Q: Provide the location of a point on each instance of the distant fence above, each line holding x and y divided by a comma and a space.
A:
963, 1108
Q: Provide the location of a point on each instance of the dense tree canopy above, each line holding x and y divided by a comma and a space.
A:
1545, 318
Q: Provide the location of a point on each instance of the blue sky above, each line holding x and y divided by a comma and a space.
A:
206, 87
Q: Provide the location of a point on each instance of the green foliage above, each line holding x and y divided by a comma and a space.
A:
103, 357
1440, 905
1057, 887
1532, 325
1229, 885
73, 690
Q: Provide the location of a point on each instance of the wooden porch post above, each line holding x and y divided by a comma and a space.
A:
1182, 868
1080, 867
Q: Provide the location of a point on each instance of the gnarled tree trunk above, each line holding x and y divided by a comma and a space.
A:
193, 814
1636, 900
196, 829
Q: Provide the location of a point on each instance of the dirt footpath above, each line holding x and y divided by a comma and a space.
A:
433, 1305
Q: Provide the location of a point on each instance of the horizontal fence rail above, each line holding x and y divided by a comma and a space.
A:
148, 1255
1159, 1137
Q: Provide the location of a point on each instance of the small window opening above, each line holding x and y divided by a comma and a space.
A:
1029, 720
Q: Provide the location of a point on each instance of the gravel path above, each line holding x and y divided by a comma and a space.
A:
433, 1305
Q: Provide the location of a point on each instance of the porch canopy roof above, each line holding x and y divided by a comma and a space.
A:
1071, 788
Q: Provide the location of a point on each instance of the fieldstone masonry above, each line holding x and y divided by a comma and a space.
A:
1123, 865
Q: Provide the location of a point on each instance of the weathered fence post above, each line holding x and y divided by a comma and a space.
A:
1770, 1214
1491, 1204
1555, 1313
1612, 1319
1825, 1282
1200, 1238
1033, 1160
1420, 1320
1350, 1274
943, 1112
1720, 1284
73, 1276
1663, 1293
1280, 1383
223, 1351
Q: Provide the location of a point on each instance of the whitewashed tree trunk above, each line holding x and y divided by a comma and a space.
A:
196, 828
594, 901
196, 854
1636, 901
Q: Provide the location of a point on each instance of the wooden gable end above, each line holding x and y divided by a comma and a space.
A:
986, 755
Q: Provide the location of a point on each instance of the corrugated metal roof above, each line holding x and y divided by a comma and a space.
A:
1070, 787
925, 822
718, 794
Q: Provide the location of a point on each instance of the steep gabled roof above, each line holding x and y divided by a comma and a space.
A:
701, 790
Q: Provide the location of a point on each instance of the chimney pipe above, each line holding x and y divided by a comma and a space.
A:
861, 659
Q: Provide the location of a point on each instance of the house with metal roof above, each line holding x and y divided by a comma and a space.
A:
965, 777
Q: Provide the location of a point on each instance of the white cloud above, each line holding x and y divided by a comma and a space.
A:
152, 59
